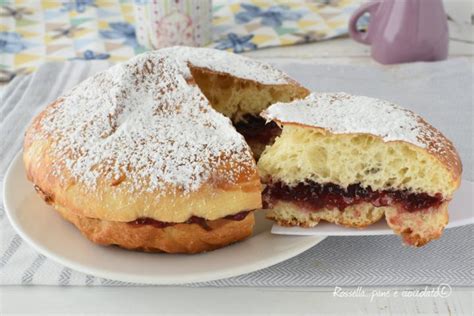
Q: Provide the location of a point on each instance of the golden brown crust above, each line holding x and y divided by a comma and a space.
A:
210, 201
145, 150
219, 197
125, 162
179, 238
443, 149
117, 200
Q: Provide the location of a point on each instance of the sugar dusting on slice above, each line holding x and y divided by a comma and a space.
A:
142, 121
342, 113
221, 61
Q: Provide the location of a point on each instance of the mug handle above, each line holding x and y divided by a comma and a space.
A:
362, 37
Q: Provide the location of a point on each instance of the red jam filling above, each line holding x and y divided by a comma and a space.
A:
192, 220
255, 128
316, 196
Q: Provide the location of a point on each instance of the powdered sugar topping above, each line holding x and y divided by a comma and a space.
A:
342, 113
220, 61
142, 122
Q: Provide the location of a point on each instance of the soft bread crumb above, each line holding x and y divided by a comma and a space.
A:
302, 153
416, 228
360, 215
343, 139
235, 97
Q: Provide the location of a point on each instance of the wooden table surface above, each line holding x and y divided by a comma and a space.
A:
208, 301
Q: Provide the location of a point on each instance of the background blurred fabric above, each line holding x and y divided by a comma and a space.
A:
36, 31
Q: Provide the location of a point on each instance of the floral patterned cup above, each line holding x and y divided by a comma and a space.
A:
162, 23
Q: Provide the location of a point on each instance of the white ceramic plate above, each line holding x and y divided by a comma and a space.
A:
45, 230
461, 212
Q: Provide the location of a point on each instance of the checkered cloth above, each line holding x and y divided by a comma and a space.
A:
37, 31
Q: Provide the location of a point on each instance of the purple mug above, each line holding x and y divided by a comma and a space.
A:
403, 30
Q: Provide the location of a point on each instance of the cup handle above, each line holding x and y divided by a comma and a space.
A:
362, 37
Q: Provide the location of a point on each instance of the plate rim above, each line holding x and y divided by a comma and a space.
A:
143, 279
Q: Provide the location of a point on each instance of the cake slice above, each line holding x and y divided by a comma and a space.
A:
351, 160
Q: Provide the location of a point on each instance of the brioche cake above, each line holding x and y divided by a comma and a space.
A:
351, 160
145, 155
